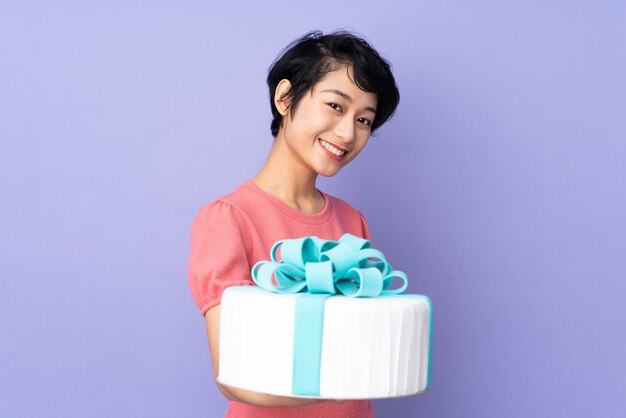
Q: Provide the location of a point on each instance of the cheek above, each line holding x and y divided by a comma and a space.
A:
315, 116
363, 140
358, 149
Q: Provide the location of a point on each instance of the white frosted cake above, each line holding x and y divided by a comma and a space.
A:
372, 347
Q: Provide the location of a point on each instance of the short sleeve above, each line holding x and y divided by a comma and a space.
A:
218, 257
365, 227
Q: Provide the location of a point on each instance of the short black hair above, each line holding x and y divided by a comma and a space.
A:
309, 59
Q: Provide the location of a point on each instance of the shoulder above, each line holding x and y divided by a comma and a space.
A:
224, 213
231, 206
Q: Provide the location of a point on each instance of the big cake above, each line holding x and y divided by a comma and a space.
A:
326, 343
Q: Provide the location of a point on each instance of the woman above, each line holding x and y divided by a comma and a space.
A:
328, 93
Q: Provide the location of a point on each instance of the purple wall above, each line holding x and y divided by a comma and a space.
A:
499, 187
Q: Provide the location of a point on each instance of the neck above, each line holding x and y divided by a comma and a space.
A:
286, 177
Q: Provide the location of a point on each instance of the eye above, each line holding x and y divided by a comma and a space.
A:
335, 106
365, 122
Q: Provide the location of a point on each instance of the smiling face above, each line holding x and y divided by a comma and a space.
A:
331, 124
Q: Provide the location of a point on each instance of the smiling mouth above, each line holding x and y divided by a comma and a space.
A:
337, 152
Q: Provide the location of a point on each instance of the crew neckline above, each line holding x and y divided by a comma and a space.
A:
309, 218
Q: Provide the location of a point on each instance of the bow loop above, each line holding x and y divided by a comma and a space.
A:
343, 258
360, 282
349, 266
356, 243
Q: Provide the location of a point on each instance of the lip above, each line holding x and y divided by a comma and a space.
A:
330, 154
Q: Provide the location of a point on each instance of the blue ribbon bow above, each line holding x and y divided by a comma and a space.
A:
314, 265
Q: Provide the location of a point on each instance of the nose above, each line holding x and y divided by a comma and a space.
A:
345, 129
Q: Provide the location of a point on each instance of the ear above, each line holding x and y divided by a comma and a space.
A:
280, 100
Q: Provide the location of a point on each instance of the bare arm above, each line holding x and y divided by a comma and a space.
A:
240, 395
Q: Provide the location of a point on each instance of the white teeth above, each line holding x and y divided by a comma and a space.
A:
331, 148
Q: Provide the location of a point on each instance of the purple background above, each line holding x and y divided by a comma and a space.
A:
499, 187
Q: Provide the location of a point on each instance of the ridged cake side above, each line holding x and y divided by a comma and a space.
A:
375, 347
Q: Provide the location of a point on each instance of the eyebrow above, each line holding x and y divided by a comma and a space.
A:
347, 97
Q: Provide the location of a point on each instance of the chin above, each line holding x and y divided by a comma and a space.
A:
327, 173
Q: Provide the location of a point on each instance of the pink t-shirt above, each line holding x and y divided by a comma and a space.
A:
232, 233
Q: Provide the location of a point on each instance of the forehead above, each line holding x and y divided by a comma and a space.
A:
342, 79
